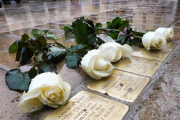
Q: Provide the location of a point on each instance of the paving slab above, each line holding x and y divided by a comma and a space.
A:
121, 85
19, 33
86, 105
138, 65
158, 100
5, 42
7, 61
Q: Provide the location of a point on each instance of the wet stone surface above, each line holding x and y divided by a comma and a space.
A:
159, 100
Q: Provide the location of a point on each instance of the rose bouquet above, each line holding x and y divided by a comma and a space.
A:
96, 49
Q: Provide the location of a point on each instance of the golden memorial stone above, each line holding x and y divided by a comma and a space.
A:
170, 45
151, 54
138, 65
89, 106
121, 85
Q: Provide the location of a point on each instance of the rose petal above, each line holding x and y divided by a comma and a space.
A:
126, 51
160, 41
111, 51
30, 101
90, 56
90, 65
147, 38
44, 97
170, 33
44, 79
101, 67
162, 31
167, 32
66, 94
110, 54
152, 40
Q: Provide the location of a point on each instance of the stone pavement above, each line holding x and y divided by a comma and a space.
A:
160, 100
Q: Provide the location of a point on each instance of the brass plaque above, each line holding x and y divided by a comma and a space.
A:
89, 106
170, 45
121, 85
151, 54
142, 66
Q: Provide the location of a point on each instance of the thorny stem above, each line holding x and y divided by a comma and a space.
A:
61, 45
138, 37
91, 27
116, 30
34, 55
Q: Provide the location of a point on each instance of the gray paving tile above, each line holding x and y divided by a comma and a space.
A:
5, 42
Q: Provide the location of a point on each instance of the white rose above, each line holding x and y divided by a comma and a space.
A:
45, 89
95, 65
126, 50
167, 32
114, 51
153, 40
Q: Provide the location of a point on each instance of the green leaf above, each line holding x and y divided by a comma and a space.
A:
81, 46
34, 43
108, 23
14, 47
68, 34
32, 48
45, 31
81, 52
45, 57
98, 25
24, 55
91, 39
72, 60
116, 21
57, 54
51, 35
81, 31
45, 67
90, 22
32, 72
68, 31
36, 33
121, 39
124, 24
25, 37
77, 47
90, 26
42, 41
17, 81
68, 27
114, 35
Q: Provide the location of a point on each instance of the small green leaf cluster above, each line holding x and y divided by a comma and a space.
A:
85, 32
73, 58
43, 55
